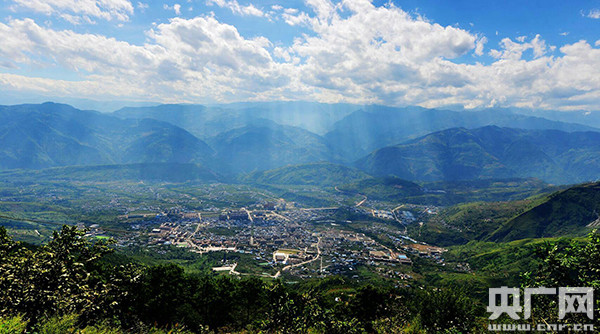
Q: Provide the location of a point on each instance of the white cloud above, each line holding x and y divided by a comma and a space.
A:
142, 6
354, 52
593, 14
297, 19
479, 45
189, 59
514, 50
78, 11
236, 8
176, 8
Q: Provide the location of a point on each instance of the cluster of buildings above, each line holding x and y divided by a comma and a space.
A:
302, 242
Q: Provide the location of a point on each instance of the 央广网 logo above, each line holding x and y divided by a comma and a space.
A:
505, 300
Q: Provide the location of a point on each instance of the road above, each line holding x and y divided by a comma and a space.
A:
280, 216
189, 238
399, 220
346, 193
249, 215
290, 266
361, 202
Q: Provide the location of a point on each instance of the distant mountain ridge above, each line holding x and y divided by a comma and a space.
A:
491, 152
246, 138
51, 135
253, 148
205, 122
375, 127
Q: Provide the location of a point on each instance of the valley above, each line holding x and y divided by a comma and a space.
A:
299, 167
232, 194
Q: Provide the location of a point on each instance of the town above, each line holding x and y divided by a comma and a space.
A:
283, 238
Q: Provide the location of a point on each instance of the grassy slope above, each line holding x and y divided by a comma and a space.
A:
566, 212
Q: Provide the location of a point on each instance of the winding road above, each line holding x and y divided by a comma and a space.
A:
290, 266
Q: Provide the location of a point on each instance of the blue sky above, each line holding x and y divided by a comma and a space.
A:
432, 53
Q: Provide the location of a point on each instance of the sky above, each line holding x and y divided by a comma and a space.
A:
432, 53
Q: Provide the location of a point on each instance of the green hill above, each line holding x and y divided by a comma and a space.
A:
321, 173
462, 223
568, 212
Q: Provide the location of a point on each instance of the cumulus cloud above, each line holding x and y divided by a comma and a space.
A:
78, 11
200, 57
373, 54
479, 45
354, 52
176, 8
593, 14
236, 8
514, 50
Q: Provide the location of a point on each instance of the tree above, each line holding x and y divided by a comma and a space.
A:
57, 278
161, 294
440, 310
576, 265
251, 297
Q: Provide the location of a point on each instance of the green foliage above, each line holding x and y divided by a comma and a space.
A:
446, 310
66, 286
12, 325
70, 324
57, 277
64, 324
576, 264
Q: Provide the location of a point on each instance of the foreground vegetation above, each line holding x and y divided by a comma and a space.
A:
69, 285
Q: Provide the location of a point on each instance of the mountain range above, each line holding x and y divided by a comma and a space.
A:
491, 152
51, 135
410, 143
